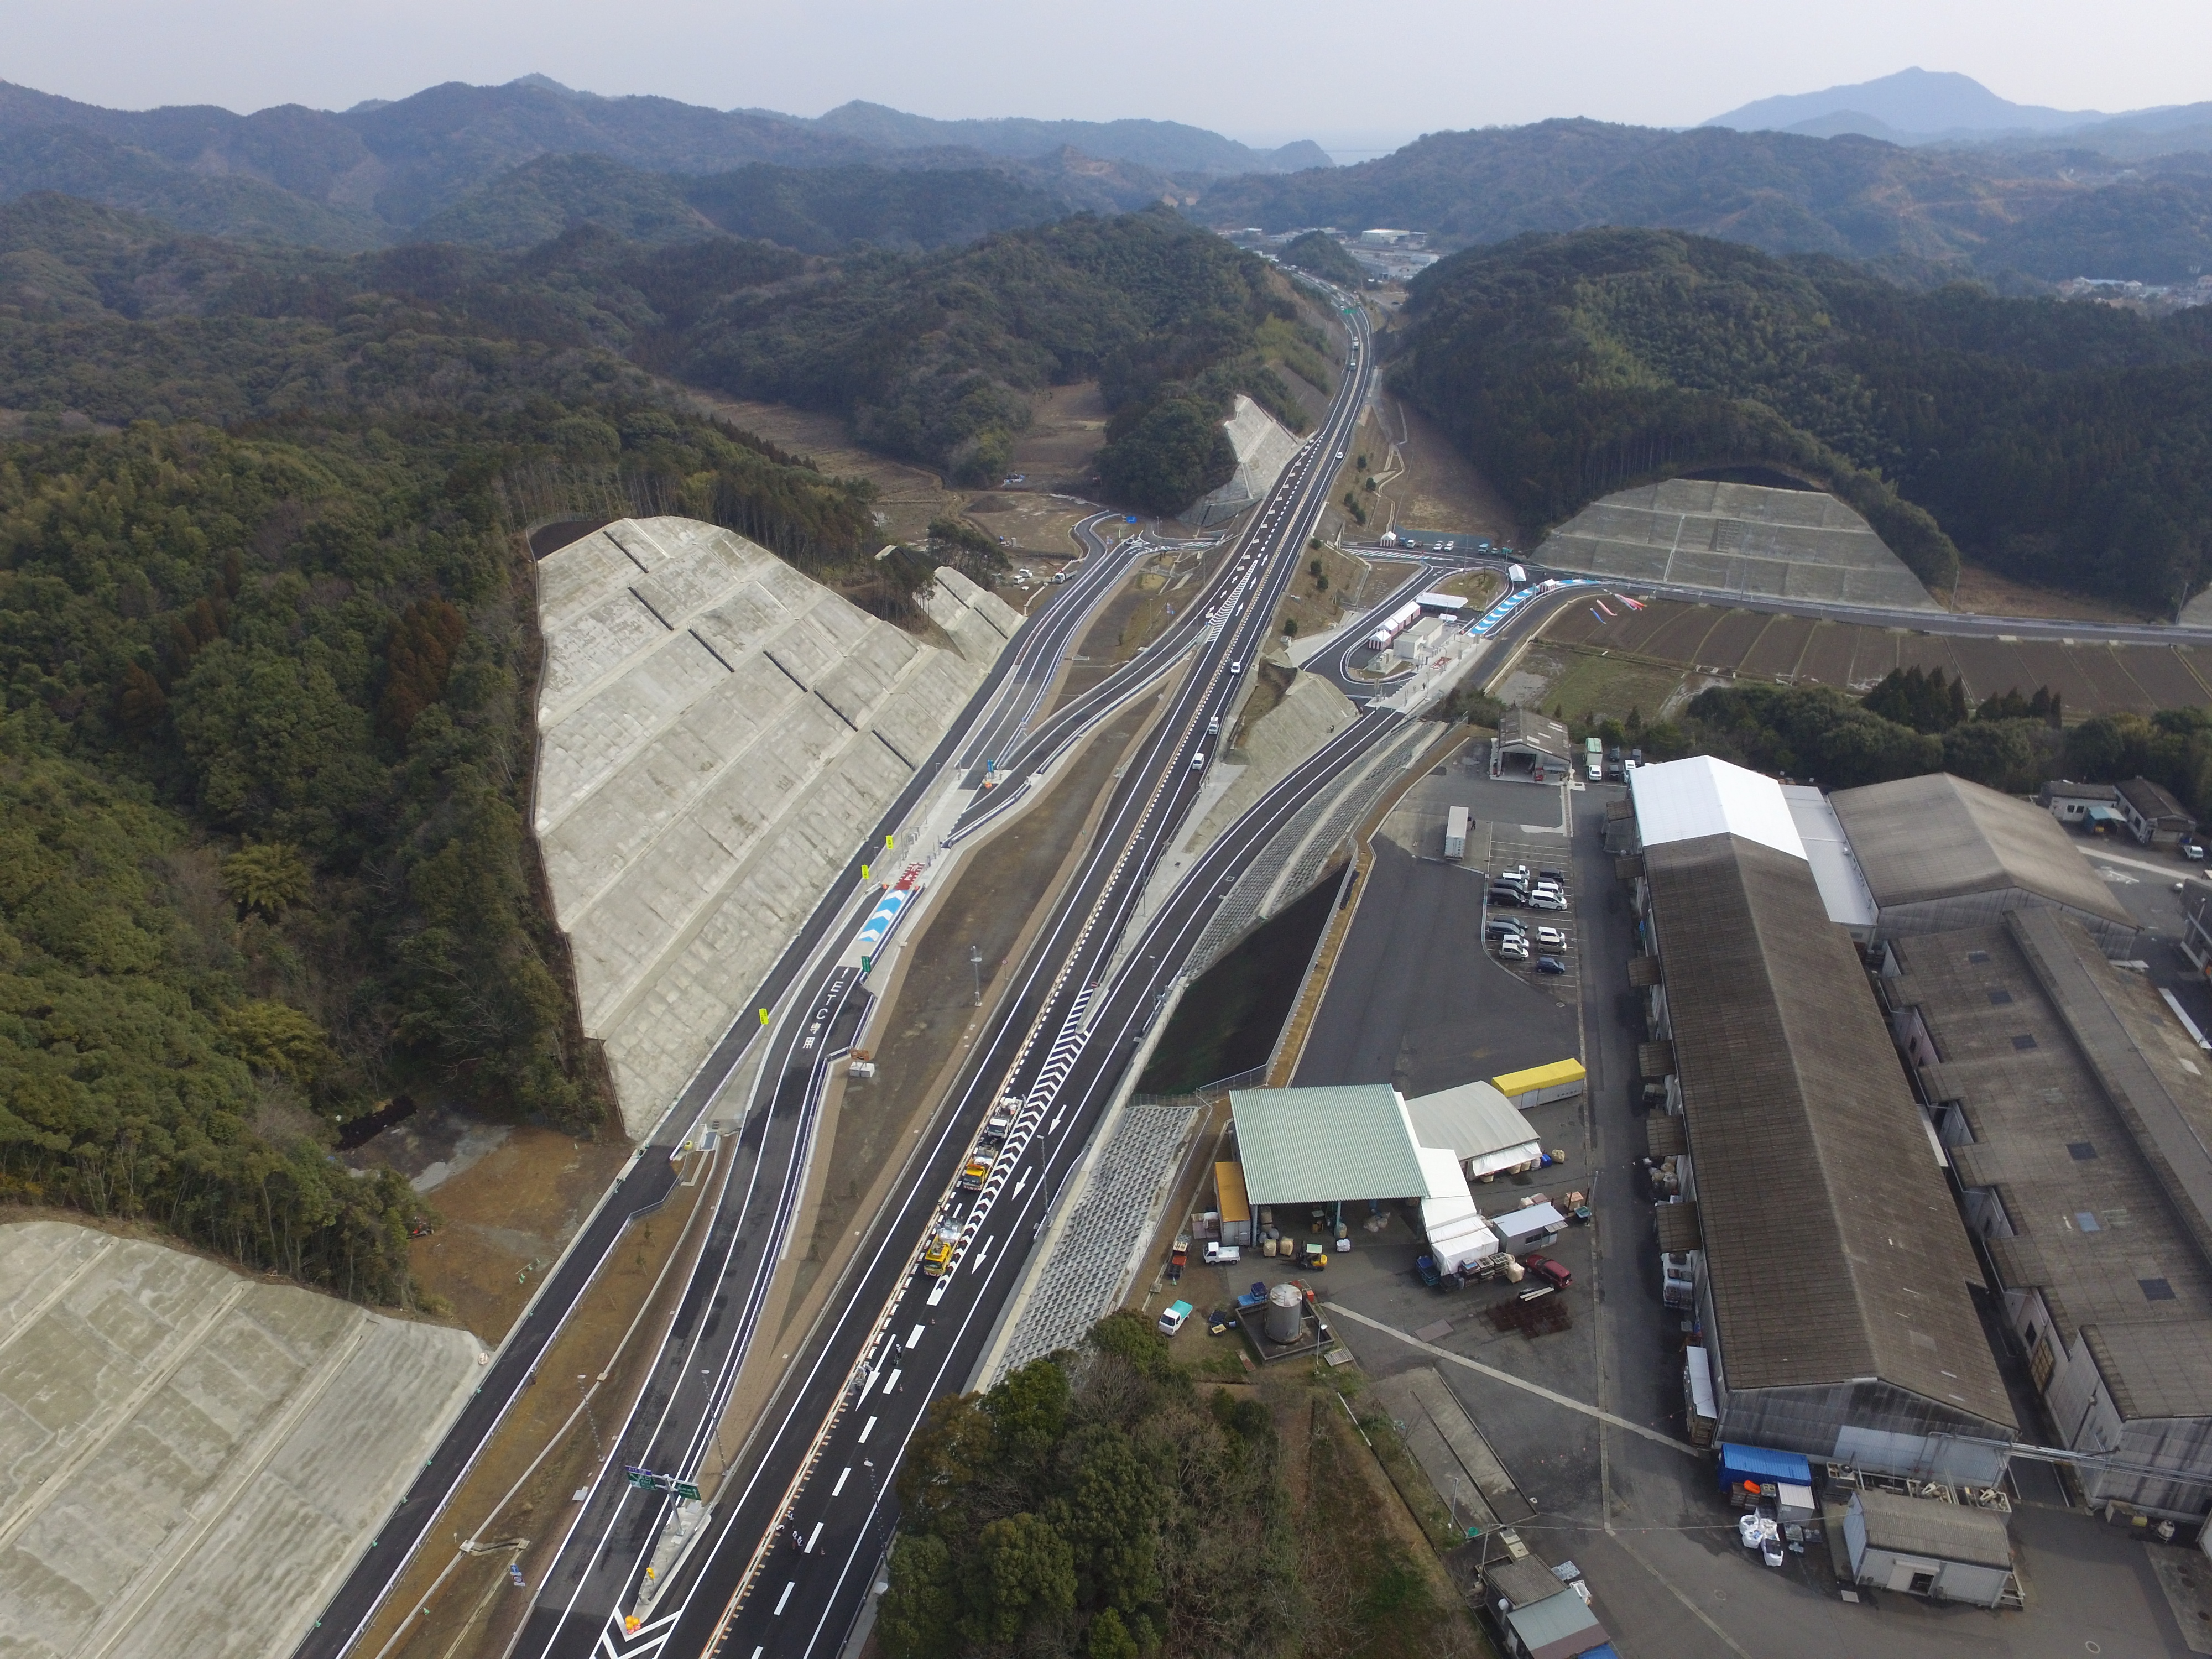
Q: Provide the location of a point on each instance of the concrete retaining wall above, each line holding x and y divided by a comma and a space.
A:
190, 1460
717, 733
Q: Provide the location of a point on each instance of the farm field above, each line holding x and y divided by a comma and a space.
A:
1671, 640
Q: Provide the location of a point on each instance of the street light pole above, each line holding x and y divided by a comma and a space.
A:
975, 964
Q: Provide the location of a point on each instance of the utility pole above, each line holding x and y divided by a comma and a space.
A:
975, 964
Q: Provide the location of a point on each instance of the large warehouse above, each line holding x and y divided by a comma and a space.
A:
1940, 852
2077, 1125
1833, 1268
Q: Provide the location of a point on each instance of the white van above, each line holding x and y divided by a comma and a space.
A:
1173, 1319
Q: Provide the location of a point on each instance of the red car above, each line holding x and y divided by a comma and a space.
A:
1544, 1268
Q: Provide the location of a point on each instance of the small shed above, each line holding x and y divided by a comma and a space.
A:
1925, 1547
1235, 1208
1557, 1628
1533, 744
2157, 818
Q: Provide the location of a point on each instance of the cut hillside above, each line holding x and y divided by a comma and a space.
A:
718, 736
2068, 445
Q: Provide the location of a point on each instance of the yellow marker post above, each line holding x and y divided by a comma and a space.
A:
864, 873
763, 1013
889, 844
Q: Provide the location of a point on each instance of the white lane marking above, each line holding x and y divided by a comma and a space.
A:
938, 1295
789, 1585
843, 1476
866, 1429
985, 1253
869, 1387
1023, 1183
811, 1538
914, 1338
1054, 1127
893, 1383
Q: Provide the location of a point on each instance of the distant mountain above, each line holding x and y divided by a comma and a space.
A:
813, 210
1167, 146
1923, 212
373, 173
1924, 102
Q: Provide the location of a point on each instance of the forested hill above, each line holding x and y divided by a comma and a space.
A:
265, 701
267, 643
2069, 445
2050, 216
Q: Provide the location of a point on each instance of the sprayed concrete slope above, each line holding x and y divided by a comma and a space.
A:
1737, 538
717, 733
1264, 448
191, 1462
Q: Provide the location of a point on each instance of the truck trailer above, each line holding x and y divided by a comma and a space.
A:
1455, 833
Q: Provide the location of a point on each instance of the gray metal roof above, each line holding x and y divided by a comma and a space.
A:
1526, 728
1930, 1527
1939, 837
2094, 1138
1473, 1119
1832, 1247
2151, 800
1316, 1145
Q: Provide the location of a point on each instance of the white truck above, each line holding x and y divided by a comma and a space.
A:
1455, 833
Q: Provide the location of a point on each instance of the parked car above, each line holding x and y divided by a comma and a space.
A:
2193, 851
1551, 1272
1547, 900
1507, 896
1555, 876
1518, 875
1551, 937
1502, 927
1550, 965
1513, 948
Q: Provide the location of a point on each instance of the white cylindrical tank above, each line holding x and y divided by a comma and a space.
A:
1286, 1314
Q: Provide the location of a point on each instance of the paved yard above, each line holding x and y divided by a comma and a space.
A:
1642, 1517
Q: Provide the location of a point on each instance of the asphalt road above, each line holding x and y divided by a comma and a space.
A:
644, 1186
820, 1461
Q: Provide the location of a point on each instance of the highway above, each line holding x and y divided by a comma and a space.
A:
1039, 1048
1006, 699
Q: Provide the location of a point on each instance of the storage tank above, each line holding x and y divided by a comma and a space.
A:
1286, 1314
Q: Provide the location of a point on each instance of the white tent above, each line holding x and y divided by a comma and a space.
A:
1457, 1231
1484, 1129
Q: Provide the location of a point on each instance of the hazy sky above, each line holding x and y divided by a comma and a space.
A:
1255, 68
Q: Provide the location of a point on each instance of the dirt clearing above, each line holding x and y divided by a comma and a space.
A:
507, 1217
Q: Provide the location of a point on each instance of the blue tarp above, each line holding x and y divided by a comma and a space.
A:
1741, 1463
